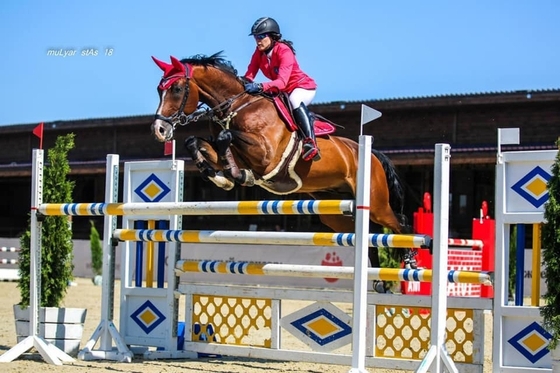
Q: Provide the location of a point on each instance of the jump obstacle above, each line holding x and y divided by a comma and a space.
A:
273, 350
469, 254
521, 194
134, 298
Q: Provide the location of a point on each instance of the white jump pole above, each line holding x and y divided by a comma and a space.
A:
271, 207
438, 352
359, 310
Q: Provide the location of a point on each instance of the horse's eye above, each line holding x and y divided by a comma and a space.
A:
176, 88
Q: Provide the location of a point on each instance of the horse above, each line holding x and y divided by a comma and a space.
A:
253, 144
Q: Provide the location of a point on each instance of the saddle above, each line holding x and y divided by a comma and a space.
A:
284, 179
321, 125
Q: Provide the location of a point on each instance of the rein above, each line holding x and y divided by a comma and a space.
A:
217, 113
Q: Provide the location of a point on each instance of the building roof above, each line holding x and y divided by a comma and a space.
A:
457, 99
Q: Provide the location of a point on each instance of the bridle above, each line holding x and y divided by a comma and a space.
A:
220, 113
179, 117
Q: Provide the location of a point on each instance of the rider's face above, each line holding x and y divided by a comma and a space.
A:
263, 42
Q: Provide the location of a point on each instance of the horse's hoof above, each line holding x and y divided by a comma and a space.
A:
379, 287
411, 264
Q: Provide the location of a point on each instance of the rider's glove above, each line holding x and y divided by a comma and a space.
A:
253, 88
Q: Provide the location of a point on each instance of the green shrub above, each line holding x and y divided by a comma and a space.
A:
96, 250
551, 255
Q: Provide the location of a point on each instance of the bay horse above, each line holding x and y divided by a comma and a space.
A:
255, 144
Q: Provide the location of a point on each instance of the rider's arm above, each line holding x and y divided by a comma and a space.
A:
254, 66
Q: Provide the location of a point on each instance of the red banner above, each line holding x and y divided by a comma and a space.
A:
38, 131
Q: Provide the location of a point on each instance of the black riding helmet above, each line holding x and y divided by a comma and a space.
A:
265, 25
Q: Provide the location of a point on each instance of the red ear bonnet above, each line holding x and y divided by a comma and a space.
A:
164, 66
171, 72
178, 65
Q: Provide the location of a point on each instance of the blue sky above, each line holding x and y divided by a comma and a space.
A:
355, 50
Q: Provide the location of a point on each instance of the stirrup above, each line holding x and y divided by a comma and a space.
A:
310, 152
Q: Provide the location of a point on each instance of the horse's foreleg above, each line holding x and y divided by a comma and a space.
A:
201, 155
230, 167
192, 146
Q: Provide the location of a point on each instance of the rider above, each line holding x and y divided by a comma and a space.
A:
276, 58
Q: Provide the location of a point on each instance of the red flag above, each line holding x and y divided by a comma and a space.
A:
38, 131
168, 148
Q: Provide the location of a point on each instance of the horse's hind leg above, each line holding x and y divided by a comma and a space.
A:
382, 214
205, 158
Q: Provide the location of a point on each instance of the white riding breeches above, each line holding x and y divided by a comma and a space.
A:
300, 95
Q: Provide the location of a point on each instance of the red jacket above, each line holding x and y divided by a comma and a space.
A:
282, 69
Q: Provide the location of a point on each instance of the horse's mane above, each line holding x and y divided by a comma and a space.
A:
216, 60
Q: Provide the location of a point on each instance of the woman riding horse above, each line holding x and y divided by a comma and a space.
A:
254, 145
276, 58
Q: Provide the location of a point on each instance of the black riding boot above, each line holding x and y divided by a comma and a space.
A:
303, 119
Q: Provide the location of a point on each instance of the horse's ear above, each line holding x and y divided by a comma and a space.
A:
177, 64
162, 65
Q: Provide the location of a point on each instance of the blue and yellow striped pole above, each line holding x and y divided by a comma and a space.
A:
316, 271
273, 207
271, 238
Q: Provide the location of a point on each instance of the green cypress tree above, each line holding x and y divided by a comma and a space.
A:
96, 251
56, 240
551, 255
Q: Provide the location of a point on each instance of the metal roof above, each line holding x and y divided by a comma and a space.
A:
404, 100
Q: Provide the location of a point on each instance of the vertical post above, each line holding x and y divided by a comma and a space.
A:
162, 224
139, 264
359, 313
437, 354
108, 273
536, 279
519, 264
106, 332
35, 244
441, 233
150, 257
501, 254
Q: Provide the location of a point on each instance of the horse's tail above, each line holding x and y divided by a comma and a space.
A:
396, 201
396, 190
